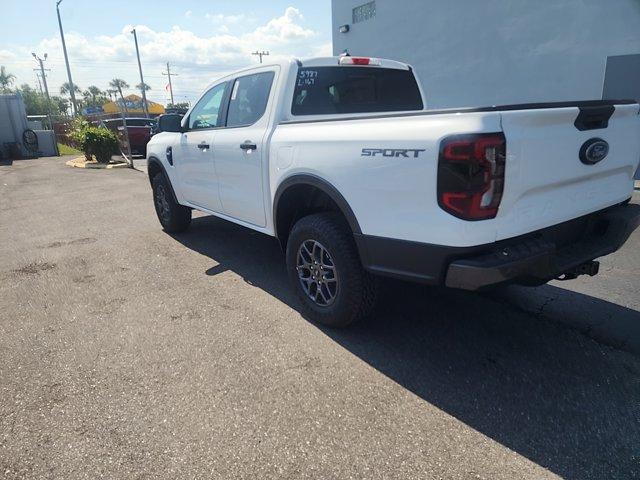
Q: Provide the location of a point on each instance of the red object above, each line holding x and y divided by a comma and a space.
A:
348, 60
471, 175
138, 129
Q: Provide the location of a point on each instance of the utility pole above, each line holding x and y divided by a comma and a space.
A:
38, 79
44, 77
260, 54
144, 94
168, 74
66, 60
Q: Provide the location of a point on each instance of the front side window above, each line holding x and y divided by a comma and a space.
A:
349, 89
206, 112
249, 99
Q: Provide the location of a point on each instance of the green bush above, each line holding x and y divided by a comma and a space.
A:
76, 132
101, 143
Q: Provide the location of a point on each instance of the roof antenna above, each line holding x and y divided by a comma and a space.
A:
345, 53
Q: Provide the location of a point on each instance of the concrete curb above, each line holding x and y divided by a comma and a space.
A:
81, 162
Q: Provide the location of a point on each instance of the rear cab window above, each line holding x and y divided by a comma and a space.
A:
354, 89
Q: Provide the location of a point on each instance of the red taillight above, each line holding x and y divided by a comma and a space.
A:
471, 175
360, 61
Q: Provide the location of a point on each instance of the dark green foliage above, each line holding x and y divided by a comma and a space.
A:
99, 142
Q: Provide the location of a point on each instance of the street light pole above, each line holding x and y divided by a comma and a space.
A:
142, 84
66, 60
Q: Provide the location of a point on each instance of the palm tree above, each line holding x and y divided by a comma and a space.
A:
118, 84
143, 86
6, 79
65, 89
92, 93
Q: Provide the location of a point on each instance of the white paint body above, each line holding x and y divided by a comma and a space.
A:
396, 197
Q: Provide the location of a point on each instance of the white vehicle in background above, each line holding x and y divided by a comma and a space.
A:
338, 158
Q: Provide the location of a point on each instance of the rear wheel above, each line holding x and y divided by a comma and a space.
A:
325, 271
173, 217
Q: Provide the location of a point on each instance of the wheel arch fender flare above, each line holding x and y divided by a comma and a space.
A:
152, 164
322, 185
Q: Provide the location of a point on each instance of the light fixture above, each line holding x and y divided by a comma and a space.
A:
343, 28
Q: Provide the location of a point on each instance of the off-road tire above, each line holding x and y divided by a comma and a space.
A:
357, 289
173, 217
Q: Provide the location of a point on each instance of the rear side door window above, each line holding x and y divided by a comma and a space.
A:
249, 98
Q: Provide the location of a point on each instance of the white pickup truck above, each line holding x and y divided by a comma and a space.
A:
341, 161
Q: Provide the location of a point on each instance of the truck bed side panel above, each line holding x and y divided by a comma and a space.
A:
392, 196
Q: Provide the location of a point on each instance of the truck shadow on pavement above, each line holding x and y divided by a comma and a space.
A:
517, 375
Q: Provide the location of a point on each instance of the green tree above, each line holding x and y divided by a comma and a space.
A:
143, 86
94, 97
65, 89
35, 103
179, 105
118, 84
60, 105
6, 79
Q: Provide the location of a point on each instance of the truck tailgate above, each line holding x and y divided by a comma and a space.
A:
546, 182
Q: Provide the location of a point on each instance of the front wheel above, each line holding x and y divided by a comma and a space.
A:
325, 271
173, 217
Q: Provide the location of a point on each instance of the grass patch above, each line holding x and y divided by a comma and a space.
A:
67, 150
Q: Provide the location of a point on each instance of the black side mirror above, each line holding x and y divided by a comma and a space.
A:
169, 122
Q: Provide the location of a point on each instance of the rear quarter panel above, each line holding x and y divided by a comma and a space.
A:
393, 197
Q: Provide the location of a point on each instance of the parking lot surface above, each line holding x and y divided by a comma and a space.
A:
126, 352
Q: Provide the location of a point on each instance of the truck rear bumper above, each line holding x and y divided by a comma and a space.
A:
531, 259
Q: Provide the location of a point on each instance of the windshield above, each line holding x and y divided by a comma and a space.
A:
327, 90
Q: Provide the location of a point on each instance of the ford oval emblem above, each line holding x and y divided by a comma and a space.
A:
593, 151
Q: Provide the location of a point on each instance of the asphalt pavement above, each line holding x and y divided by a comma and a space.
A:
127, 353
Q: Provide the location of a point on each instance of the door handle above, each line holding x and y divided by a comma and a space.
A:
247, 145
203, 146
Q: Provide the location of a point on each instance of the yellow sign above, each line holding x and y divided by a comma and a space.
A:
133, 104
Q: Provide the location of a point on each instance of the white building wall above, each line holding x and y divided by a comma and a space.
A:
490, 52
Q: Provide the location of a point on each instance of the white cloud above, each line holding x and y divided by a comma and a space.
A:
324, 50
198, 60
188, 14
225, 19
6, 55
284, 29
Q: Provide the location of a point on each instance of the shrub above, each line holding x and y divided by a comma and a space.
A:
77, 135
101, 143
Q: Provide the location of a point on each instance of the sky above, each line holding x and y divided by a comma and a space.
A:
201, 40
